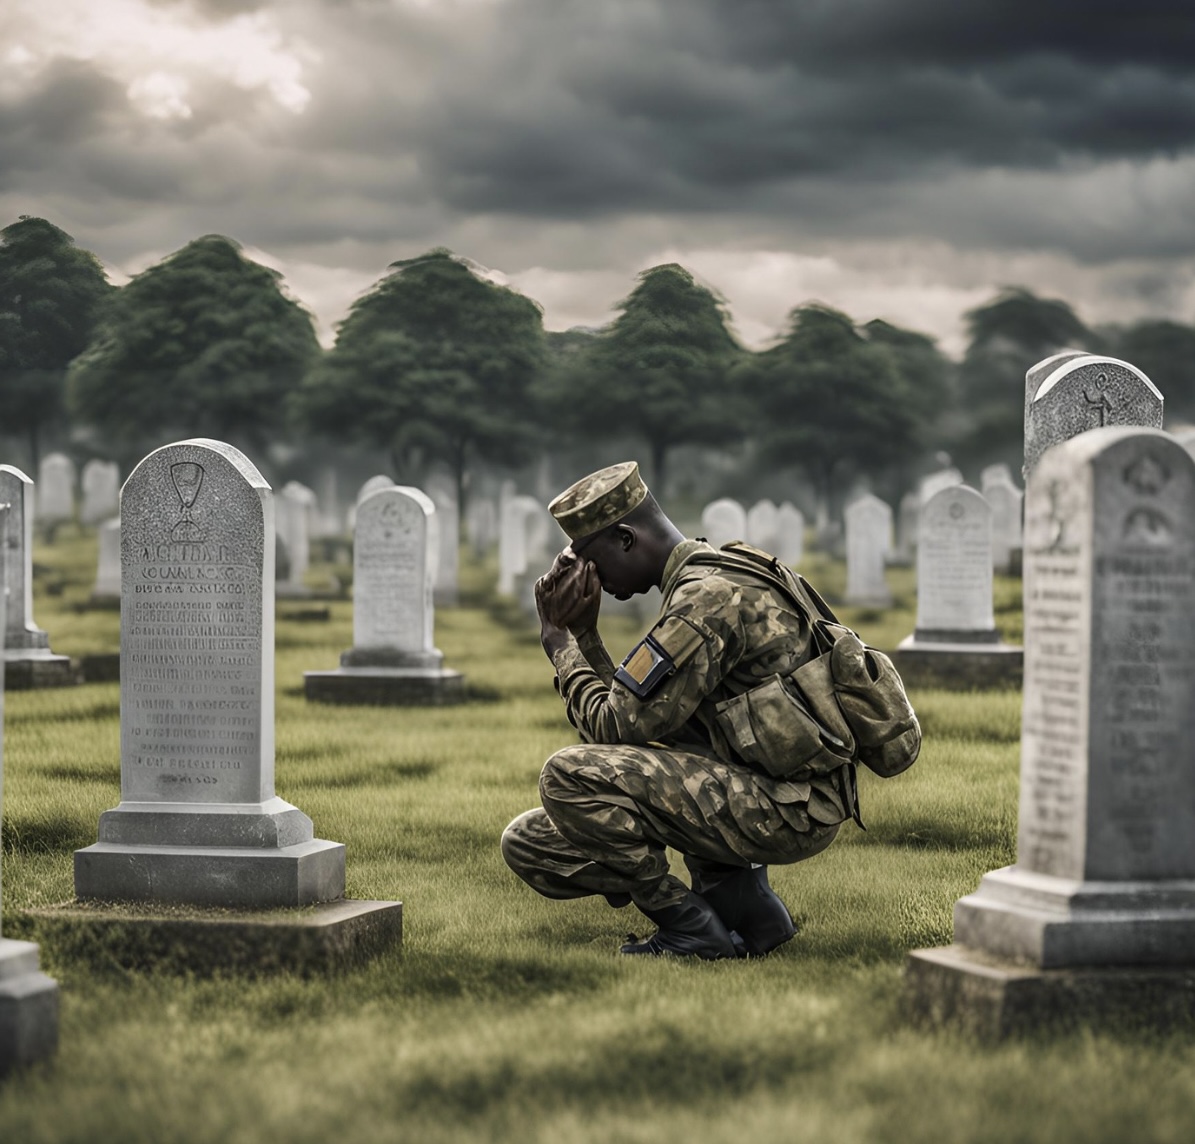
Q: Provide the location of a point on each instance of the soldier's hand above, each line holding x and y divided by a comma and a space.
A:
569, 594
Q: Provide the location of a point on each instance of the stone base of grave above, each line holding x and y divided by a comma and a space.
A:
1053, 922
958, 666
991, 998
317, 939
251, 877
31, 668
28, 1007
385, 686
101, 667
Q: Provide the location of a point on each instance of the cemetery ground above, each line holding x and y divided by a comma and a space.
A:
509, 1017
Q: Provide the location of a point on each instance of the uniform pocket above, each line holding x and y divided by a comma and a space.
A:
774, 728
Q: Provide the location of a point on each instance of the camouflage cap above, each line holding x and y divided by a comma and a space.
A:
599, 500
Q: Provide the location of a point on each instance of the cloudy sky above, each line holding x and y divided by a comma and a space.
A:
894, 158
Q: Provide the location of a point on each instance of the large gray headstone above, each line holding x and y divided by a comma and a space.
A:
28, 998
198, 819
101, 491
722, 521
1036, 374
55, 488
762, 521
868, 541
790, 535
394, 567
1087, 392
1105, 871
107, 575
20, 632
954, 569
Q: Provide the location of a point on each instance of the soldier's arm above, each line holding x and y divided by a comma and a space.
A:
682, 659
596, 655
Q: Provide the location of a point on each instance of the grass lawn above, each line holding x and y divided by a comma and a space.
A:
509, 1017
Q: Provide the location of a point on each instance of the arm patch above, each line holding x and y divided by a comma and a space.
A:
645, 668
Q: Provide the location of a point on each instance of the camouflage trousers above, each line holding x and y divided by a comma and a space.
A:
610, 811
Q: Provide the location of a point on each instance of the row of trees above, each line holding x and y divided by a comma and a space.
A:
437, 364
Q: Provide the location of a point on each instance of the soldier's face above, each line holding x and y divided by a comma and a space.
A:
619, 560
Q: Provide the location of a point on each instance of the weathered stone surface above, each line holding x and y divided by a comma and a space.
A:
393, 659
55, 488
790, 534
1084, 392
327, 937
101, 491
954, 570
762, 523
1105, 871
868, 541
198, 820
28, 998
1036, 374
107, 575
722, 521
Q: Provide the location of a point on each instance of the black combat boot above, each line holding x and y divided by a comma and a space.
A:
749, 906
689, 928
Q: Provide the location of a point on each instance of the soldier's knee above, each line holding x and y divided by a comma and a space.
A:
513, 843
558, 776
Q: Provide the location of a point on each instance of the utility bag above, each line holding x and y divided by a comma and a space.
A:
846, 704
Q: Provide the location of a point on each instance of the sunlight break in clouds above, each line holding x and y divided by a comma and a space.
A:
160, 53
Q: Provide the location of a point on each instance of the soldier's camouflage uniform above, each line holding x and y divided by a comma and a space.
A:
658, 771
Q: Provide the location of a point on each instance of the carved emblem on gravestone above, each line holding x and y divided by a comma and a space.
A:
1147, 475
956, 511
1098, 400
187, 478
1147, 526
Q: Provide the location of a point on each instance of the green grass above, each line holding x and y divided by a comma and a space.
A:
509, 1017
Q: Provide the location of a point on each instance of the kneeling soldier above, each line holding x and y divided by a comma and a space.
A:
660, 764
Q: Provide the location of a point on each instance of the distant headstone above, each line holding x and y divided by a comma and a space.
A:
381, 481
294, 508
722, 521
1005, 500
997, 474
327, 514
442, 490
762, 523
868, 540
790, 535
55, 488
929, 486
1038, 373
954, 569
101, 491
393, 659
481, 525
1098, 913
908, 516
28, 998
31, 663
522, 542
107, 575
1084, 392
198, 821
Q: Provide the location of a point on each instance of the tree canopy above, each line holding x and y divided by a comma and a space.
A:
204, 343
51, 296
433, 364
660, 371
830, 400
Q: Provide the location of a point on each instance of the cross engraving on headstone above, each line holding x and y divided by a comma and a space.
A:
1098, 401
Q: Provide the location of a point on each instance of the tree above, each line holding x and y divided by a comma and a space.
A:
660, 371
433, 364
1008, 336
51, 296
204, 343
828, 400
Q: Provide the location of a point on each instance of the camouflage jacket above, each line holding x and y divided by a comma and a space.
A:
725, 632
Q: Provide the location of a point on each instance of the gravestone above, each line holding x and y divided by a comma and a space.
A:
381, 481
933, 483
326, 522
868, 540
522, 543
1082, 392
101, 491
55, 489
441, 487
790, 534
723, 520
540, 531
30, 662
294, 507
997, 474
908, 514
28, 998
762, 523
481, 525
393, 659
107, 577
1036, 374
1005, 500
1098, 913
199, 821
1185, 437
